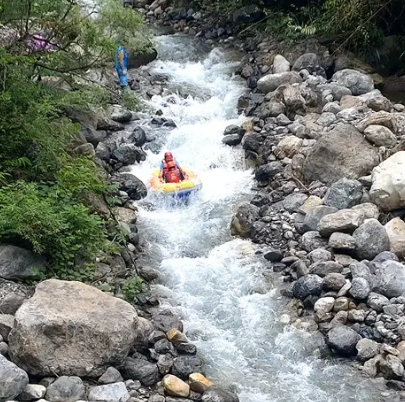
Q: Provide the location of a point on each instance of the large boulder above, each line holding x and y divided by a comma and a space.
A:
141, 58
271, 82
388, 188
242, 222
129, 183
343, 340
19, 263
342, 152
13, 380
69, 328
357, 82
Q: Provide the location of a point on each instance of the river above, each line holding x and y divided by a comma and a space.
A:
223, 290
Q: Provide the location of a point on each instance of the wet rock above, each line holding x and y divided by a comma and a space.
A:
271, 82
371, 239
367, 349
199, 383
109, 393
380, 136
311, 241
388, 188
43, 344
129, 183
19, 263
273, 255
342, 241
307, 286
391, 279
166, 320
344, 194
314, 216
183, 366
111, 376
357, 82
128, 154
343, 340
360, 288
232, 139
66, 389
120, 114
234, 129
242, 222
280, 65
334, 281
141, 370
218, 394
377, 301
138, 136
395, 230
331, 159
175, 386
13, 380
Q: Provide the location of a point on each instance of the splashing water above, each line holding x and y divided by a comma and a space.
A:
216, 283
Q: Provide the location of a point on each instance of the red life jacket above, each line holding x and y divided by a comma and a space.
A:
172, 176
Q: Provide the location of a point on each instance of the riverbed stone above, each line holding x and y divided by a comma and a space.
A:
89, 345
111, 376
341, 304
13, 380
199, 383
311, 241
324, 268
360, 288
391, 368
292, 202
334, 281
344, 193
395, 230
343, 340
344, 220
271, 82
380, 136
19, 263
342, 241
309, 285
66, 389
109, 393
141, 370
242, 222
357, 82
280, 64
324, 305
183, 366
371, 239
367, 349
174, 386
331, 159
377, 301
31, 392
391, 278
313, 217
218, 394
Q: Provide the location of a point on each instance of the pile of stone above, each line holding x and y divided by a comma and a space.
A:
70, 342
329, 161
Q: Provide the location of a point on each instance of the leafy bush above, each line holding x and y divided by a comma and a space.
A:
132, 287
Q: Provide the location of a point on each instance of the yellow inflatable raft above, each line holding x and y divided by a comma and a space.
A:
182, 189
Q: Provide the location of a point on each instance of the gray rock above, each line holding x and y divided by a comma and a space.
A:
273, 255
271, 82
280, 64
268, 171
129, 183
371, 239
334, 281
111, 376
331, 107
343, 340
120, 115
379, 103
331, 159
139, 369
341, 303
357, 82
307, 286
309, 62
313, 217
13, 380
234, 129
391, 368
109, 393
338, 91
242, 222
12, 295
293, 201
6, 325
391, 279
311, 241
377, 301
345, 193
319, 254
138, 136
19, 263
164, 364
166, 320
232, 139
360, 288
345, 220
183, 366
385, 256
31, 392
270, 109
367, 349
342, 241
361, 270
218, 394
66, 389
324, 268
128, 154
380, 136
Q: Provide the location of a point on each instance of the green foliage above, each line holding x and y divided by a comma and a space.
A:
132, 287
56, 225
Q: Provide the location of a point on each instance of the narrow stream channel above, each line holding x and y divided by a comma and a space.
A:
216, 283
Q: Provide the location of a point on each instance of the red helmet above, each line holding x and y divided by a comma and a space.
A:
168, 156
171, 165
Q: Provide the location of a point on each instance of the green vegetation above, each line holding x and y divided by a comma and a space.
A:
132, 287
42, 182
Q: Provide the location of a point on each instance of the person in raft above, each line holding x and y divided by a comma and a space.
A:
164, 168
121, 66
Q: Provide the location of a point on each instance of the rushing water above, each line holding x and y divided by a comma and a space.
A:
221, 288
